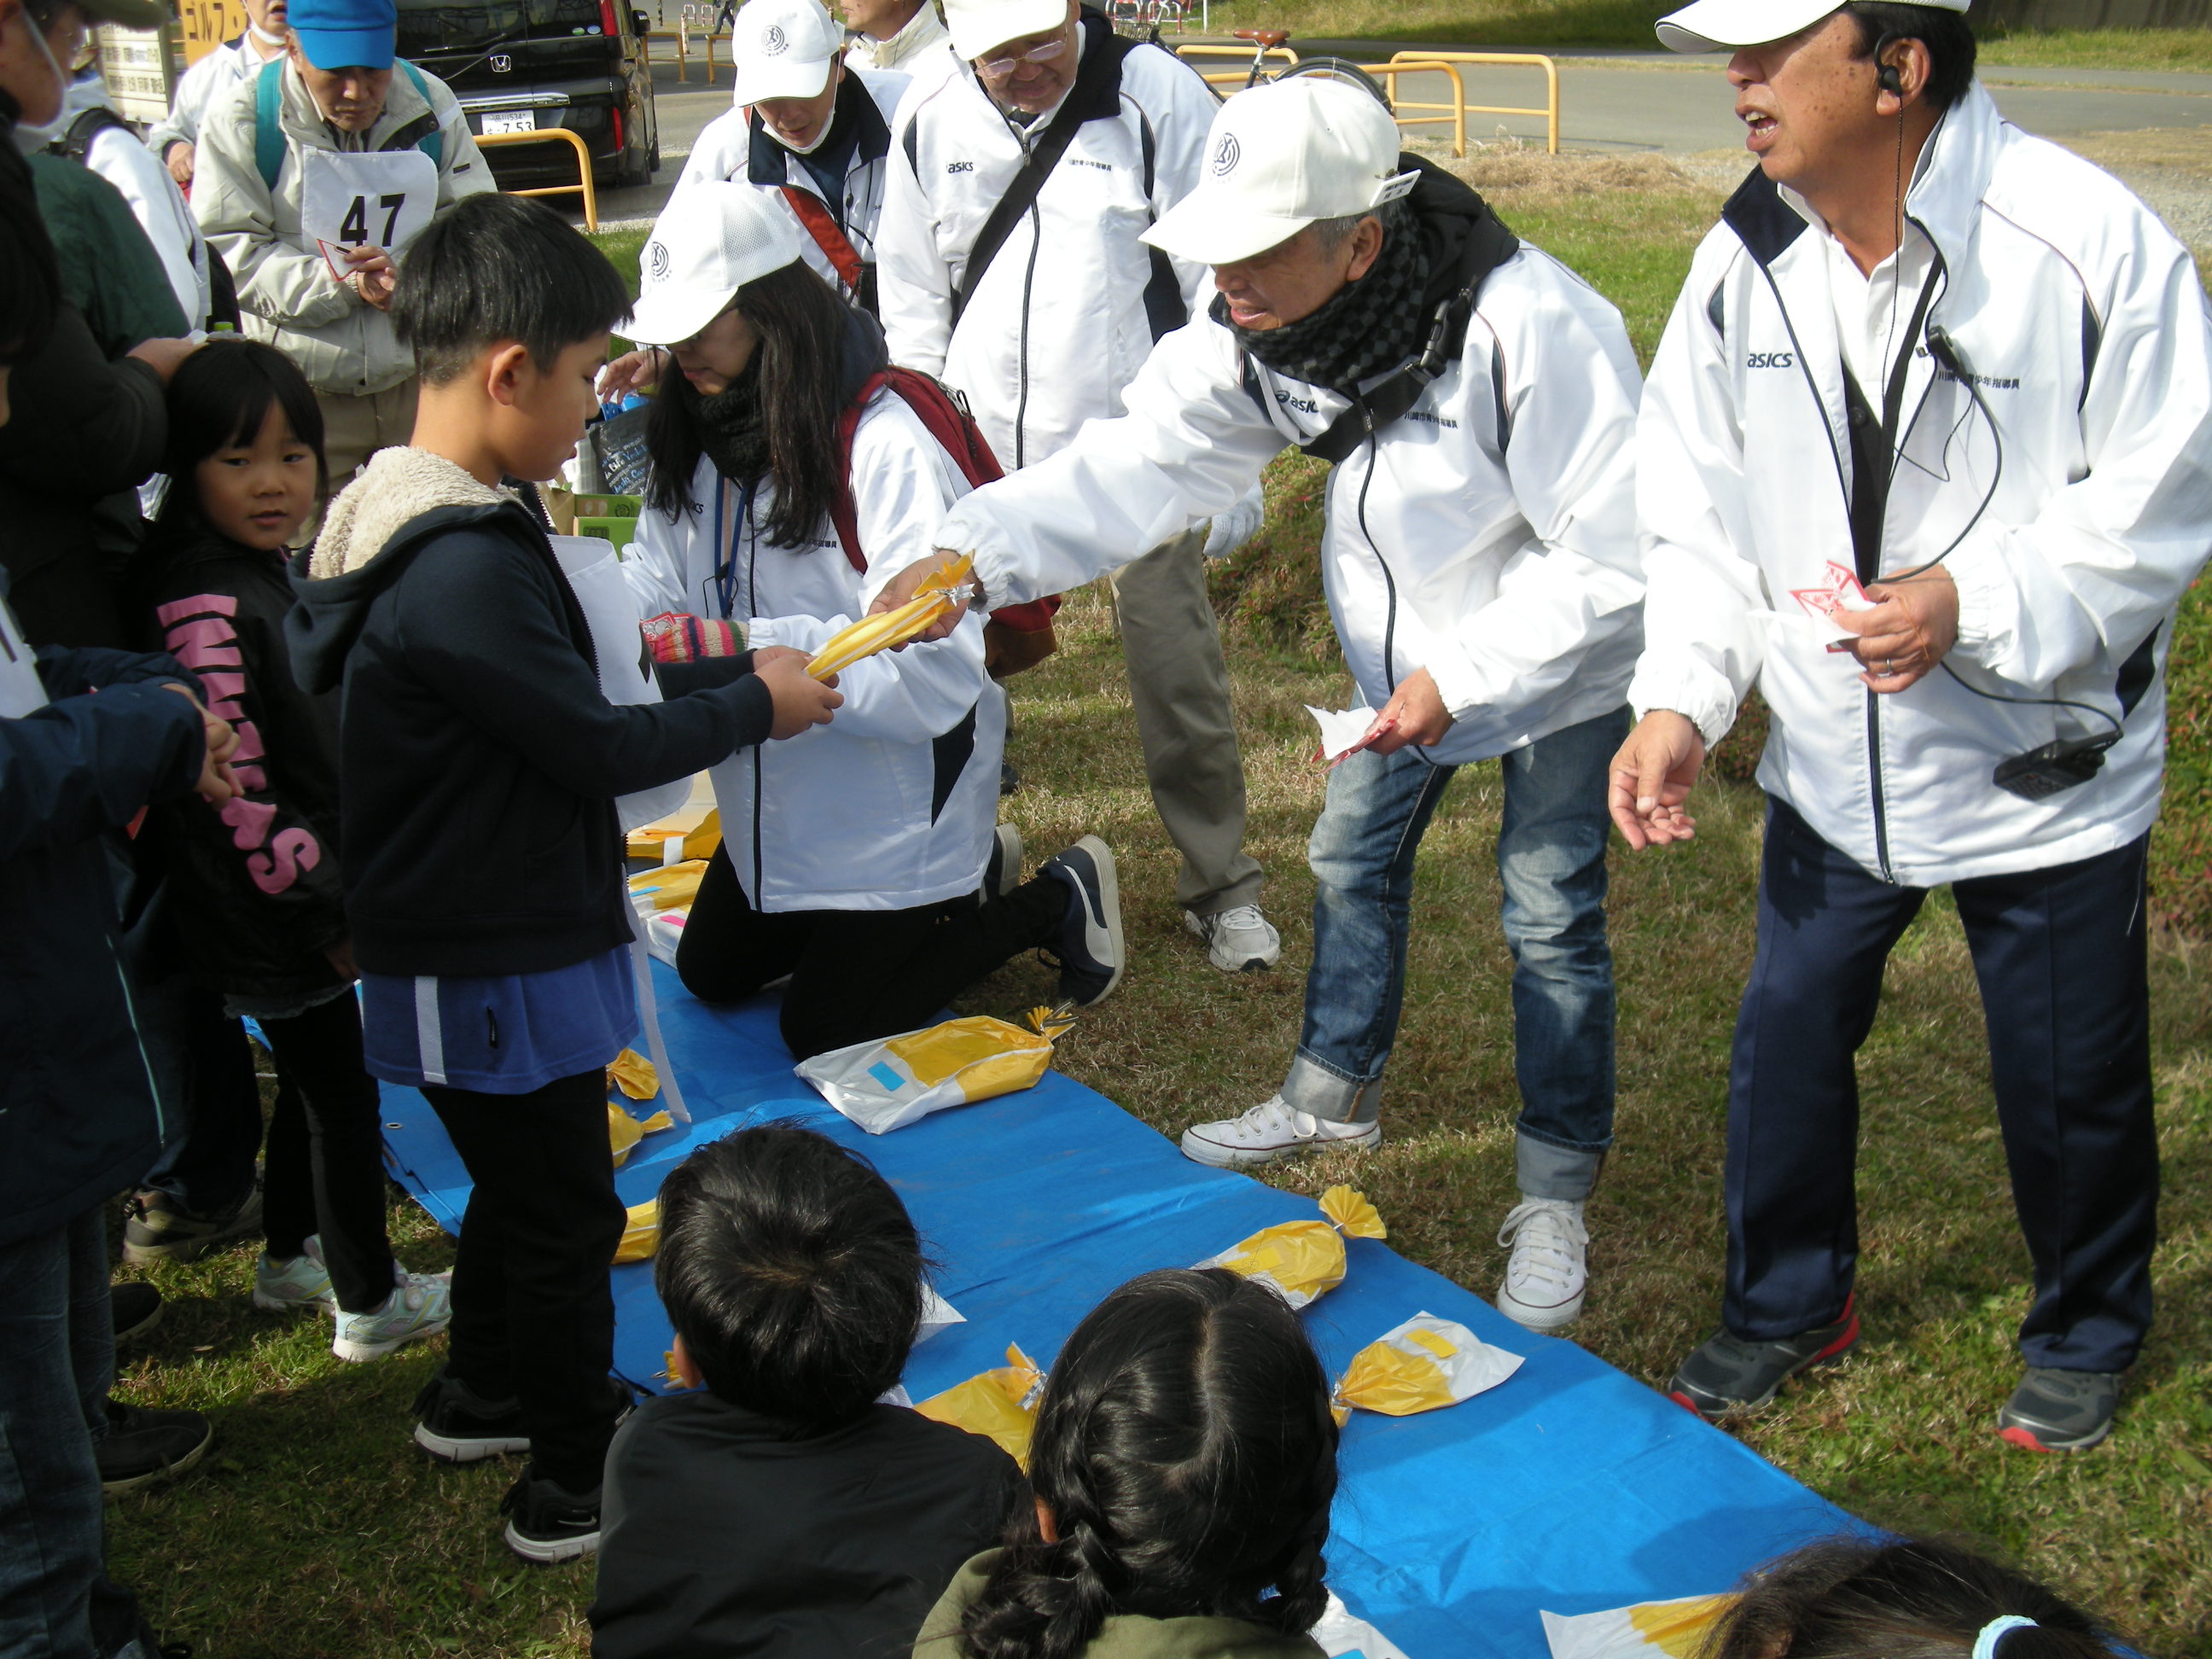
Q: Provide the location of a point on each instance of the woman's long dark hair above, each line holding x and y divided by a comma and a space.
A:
1185, 1449
219, 396
1854, 1597
797, 373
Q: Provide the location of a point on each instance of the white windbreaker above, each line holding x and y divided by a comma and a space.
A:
200, 88
1059, 325
729, 148
1488, 535
892, 806
2084, 325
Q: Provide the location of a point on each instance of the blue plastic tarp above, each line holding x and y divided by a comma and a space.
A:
1570, 1488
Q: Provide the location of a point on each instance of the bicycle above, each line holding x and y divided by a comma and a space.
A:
1333, 69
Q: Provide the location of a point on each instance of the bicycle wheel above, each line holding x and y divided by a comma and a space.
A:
1339, 68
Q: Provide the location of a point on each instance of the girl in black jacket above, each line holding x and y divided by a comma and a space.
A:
255, 883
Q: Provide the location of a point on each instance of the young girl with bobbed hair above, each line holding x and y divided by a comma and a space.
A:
1855, 1597
1183, 1465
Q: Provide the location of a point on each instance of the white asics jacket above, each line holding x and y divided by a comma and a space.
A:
1059, 324
1488, 535
2084, 327
892, 806
735, 147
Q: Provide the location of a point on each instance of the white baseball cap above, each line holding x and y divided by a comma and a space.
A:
1279, 157
783, 49
977, 25
712, 239
1721, 25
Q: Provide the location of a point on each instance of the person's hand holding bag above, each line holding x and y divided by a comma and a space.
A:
800, 699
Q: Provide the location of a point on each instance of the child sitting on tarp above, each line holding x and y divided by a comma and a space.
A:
1183, 1463
253, 884
1883, 1597
782, 1509
479, 762
852, 859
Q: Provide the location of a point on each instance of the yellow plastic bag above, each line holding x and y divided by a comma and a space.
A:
880, 633
698, 828
634, 1074
1305, 1259
641, 1236
999, 1405
1649, 1629
670, 887
1423, 1365
887, 1084
624, 1132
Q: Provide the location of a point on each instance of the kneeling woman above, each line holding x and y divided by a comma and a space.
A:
854, 858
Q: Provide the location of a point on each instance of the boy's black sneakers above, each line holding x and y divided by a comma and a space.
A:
547, 1523
1732, 1375
456, 1425
1090, 954
142, 1446
136, 1306
2056, 1410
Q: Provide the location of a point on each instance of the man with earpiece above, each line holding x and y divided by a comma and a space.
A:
1926, 456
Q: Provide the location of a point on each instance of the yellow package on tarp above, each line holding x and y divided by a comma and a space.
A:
700, 830
624, 1132
634, 1074
887, 1083
641, 1234
1649, 1629
671, 886
999, 1405
1305, 1259
1423, 1365
892, 627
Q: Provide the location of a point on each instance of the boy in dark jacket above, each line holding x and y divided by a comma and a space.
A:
479, 762
784, 1509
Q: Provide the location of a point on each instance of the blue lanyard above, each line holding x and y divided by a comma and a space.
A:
726, 569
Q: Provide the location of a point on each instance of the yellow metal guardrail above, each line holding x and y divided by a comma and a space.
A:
1418, 62
549, 135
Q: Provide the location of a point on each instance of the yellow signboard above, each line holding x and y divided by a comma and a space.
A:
208, 24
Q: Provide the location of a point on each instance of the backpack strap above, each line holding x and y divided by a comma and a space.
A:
426, 132
1096, 95
814, 214
267, 135
76, 142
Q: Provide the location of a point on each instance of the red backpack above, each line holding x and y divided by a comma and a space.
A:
1018, 637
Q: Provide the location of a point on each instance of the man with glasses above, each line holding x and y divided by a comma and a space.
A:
1011, 267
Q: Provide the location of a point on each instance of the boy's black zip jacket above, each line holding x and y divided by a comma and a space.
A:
478, 760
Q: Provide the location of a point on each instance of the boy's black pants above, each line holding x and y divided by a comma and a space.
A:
534, 1313
856, 974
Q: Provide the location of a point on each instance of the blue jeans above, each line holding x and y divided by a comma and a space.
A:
1551, 864
57, 1360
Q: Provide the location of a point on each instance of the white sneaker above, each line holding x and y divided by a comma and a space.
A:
420, 1305
1238, 941
1546, 1275
1270, 1131
299, 1281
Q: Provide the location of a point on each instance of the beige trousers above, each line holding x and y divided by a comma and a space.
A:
1180, 686
355, 429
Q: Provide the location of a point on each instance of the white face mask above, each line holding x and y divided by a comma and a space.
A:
25, 139
272, 41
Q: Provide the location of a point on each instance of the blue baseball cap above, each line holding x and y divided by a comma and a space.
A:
340, 34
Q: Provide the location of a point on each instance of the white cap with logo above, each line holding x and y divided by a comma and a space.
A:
783, 49
709, 241
1279, 158
977, 25
1719, 25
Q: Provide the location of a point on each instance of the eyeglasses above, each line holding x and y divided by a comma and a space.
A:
999, 68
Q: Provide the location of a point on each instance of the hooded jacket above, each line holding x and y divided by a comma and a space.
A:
286, 291
1487, 535
254, 884
80, 1116
2084, 325
479, 759
891, 805
738, 146
1059, 324
1124, 1635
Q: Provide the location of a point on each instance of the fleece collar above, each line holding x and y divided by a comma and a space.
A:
396, 486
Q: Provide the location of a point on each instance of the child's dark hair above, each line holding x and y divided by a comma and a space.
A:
219, 396
1185, 1449
493, 268
1853, 1597
792, 1273
797, 373
30, 280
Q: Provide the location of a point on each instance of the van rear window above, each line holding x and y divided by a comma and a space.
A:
427, 28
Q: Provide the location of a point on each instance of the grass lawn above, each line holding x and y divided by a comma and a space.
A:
315, 1531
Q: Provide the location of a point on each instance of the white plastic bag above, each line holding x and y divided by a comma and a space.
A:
611, 611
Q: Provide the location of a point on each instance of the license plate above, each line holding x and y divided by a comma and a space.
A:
509, 120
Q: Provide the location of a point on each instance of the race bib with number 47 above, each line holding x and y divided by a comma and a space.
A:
382, 200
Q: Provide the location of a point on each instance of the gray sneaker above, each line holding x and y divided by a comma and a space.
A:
156, 1228
1731, 1376
2061, 1411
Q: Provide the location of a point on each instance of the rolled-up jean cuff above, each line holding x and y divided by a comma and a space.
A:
1317, 1092
1543, 1169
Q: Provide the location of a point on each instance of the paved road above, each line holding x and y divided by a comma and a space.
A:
1609, 102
